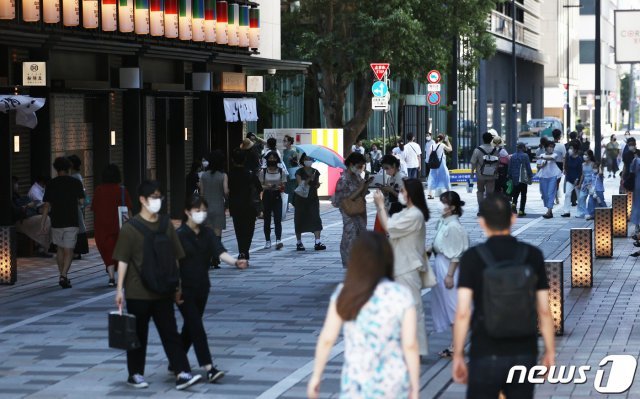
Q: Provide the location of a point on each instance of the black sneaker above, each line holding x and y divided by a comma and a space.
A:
300, 247
112, 283
214, 375
137, 381
320, 247
242, 256
566, 215
185, 380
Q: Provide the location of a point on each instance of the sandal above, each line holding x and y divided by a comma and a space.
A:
446, 353
64, 282
429, 196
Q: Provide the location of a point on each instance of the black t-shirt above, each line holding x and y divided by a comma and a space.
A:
63, 193
627, 158
471, 276
198, 249
241, 192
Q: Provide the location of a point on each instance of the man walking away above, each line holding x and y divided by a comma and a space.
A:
63, 195
413, 156
484, 163
504, 332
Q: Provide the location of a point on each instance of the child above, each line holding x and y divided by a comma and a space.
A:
596, 194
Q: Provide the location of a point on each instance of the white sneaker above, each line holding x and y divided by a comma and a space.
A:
267, 245
185, 380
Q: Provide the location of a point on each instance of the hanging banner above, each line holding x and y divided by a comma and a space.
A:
171, 19
109, 16
221, 22
198, 20
185, 21
232, 24
243, 29
210, 21
30, 10
25, 108
89, 14
254, 28
125, 16
70, 12
141, 13
7, 9
50, 11
156, 18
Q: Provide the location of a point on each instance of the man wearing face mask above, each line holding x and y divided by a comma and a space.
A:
140, 299
628, 154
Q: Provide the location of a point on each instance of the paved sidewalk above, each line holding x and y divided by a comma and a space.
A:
263, 322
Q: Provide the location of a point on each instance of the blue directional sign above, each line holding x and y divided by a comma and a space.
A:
379, 89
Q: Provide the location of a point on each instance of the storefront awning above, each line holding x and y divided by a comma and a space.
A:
240, 109
259, 63
24, 106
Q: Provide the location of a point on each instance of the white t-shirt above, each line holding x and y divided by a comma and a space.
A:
428, 147
560, 152
412, 152
401, 155
355, 148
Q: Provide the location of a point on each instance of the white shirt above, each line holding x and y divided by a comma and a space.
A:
355, 148
401, 155
375, 155
407, 235
560, 151
36, 193
428, 147
451, 239
550, 168
412, 152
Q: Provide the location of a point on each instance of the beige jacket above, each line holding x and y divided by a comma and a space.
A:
407, 234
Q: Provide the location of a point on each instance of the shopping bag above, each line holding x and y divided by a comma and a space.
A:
122, 331
285, 202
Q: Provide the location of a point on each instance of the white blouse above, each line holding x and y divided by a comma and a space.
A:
451, 239
407, 234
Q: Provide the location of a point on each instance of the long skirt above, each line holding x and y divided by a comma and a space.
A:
443, 300
439, 178
352, 227
413, 282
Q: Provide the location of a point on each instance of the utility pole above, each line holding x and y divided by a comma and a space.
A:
632, 98
597, 128
568, 85
513, 134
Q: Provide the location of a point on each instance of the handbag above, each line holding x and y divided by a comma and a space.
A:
355, 207
123, 211
122, 331
427, 276
524, 176
302, 189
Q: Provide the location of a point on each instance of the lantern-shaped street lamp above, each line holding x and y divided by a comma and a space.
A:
604, 232
50, 11
198, 21
185, 20
243, 30
555, 272
125, 16
233, 25
30, 10
581, 258
141, 14
619, 203
70, 12
222, 12
7, 9
171, 19
156, 18
8, 258
90, 14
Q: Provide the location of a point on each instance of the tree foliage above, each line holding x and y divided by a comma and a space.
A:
341, 38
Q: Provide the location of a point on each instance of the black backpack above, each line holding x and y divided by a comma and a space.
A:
434, 161
159, 272
509, 295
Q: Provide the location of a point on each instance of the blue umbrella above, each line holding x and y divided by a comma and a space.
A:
322, 154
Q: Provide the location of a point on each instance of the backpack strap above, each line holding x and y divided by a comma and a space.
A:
483, 151
140, 226
490, 261
164, 223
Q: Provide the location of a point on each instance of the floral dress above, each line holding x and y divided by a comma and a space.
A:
374, 365
352, 226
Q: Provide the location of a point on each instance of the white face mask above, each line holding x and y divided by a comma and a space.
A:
445, 209
428, 138
632, 148
154, 205
308, 163
205, 164
401, 199
570, 152
198, 216
585, 157
355, 170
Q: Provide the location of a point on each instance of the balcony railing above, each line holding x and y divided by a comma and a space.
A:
500, 25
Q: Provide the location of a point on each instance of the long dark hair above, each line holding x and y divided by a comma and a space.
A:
415, 191
452, 198
370, 261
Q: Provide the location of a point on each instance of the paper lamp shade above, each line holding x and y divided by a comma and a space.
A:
141, 13
185, 20
50, 11
8, 255
243, 29
221, 22
603, 226
555, 277
254, 28
171, 19
125, 16
70, 12
7, 9
109, 16
619, 204
232, 24
198, 21
210, 21
581, 258
30, 10
90, 14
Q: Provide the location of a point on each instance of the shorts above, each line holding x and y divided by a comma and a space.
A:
65, 237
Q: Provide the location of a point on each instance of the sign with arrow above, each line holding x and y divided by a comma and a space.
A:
379, 89
379, 69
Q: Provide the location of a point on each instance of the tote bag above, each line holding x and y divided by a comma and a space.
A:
122, 331
123, 211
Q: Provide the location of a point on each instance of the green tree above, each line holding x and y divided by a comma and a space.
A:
341, 39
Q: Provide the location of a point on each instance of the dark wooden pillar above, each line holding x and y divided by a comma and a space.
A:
175, 142
162, 150
6, 148
201, 126
101, 136
134, 142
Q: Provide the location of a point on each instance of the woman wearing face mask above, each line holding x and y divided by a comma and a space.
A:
214, 187
548, 172
449, 243
585, 183
407, 234
200, 244
572, 171
290, 161
351, 186
612, 151
307, 216
273, 179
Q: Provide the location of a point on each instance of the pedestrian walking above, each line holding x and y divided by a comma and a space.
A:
572, 171
634, 172
503, 165
192, 180
82, 242
449, 243
428, 147
351, 187
64, 194
413, 156
307, 212
390, 187
251, 154
200, 244
214, 188
108, 196
573, 140
399, 152
244, 202
585, 184
291, 164
561, 153
272, 146
379, 317
376, 158
484, 164
407, 235
438, 180
502, 336
139, 254
628, 155
273, 179
596, 194
548, 172
612, 151
519, 171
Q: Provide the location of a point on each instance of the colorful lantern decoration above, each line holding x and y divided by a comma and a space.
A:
254, 28
89, 14
109, 16
30, 10
125, 16
198, 21
232, 24
70, 12
581, 258
243, 29
629, 204
141, 14
171, 19
221, 22
156, 19
210, 21
7, 9
184, 21
50, 11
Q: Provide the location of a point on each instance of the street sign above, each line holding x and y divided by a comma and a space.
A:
433, 87
380, 103
34, 73
379, 89
379, 69
433, 76
433, 98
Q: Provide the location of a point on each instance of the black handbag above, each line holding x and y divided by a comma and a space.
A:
122, 331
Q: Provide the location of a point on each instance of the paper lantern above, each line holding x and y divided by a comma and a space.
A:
233, 25
8, 258
185, 20
109, 16
629, 204
89, 14
7, 9
604, 232
156, 18
171, 19
70, 12
50, 11
125, 16
198, 21
619, 203
581, 258
141, 14
555, 273
30, 10
210, 21
254, 28
243, 29
221, 22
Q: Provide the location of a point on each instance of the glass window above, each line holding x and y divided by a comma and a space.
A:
489, 115
588, 7
503, 118
587, 51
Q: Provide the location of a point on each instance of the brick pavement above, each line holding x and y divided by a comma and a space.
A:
263, 322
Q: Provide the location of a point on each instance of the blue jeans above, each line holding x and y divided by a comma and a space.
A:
582, 204
548, 189
596, 201
488, 376
412, 173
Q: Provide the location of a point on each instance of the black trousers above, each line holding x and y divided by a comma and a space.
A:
272, 202
193, 331
244, 226
162, 312
520, 189
488, 376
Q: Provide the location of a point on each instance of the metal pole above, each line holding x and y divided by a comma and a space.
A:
568, 88
384, 119
513, 136
598, 100
632, 98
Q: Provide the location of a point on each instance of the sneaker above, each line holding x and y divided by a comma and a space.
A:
521, 213
242, 256
300, 247
279, 245
64, 282
137, 381
566, 215
214, 374
267, 245
185, 380
320, 247
112, 282
589, 218
513, 208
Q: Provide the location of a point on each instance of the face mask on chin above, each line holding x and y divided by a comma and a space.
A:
199, 216
154, 205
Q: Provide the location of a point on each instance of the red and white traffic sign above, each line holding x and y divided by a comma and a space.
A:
433, 98
379, 69
433, 76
